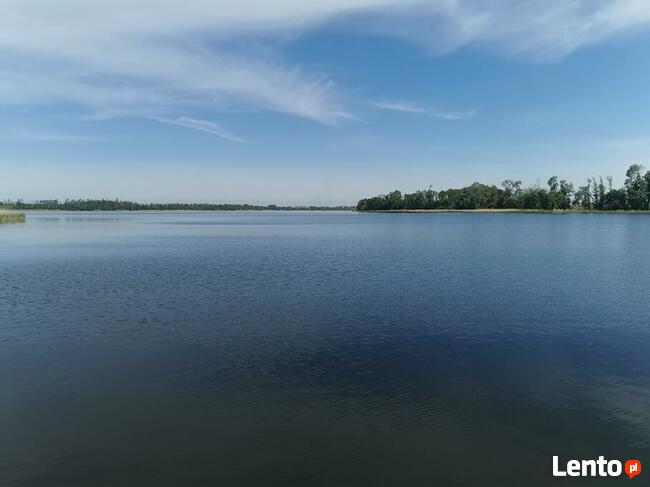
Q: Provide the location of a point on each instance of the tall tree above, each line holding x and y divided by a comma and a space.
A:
511, 193
553, 194
636, 188
566, 190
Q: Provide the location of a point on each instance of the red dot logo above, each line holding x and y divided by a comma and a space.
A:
632, 468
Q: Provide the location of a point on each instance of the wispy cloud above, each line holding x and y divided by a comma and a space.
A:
464, 115
398, 106
57, 137
409, 107
536, 29
116, 56
173, 57
202, 126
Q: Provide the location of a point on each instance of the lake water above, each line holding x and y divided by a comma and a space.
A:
328, 349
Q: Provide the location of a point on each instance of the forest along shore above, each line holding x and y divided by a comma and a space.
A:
596, 195
123, 205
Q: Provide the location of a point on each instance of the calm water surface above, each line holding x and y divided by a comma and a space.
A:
328, 349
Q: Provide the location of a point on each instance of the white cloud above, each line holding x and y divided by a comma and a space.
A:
202, 126
166, 57
408, 107
538, 29
157, 55
399, 106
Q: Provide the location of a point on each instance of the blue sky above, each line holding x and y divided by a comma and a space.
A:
296, 103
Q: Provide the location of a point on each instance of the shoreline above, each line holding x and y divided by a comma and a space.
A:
242, 210
15, 217
515, 210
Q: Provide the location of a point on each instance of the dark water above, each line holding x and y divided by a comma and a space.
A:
329, 349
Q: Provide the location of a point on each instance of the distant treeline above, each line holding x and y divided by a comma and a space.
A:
115, 205
596, 194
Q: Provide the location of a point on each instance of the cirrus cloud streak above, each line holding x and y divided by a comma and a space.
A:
165, 58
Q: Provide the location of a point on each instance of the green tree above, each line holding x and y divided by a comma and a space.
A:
582, 197
511, 194
566, 191
553, 193
636, 187
647, 189
395, 201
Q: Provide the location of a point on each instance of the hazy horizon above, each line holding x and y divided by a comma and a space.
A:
318, 185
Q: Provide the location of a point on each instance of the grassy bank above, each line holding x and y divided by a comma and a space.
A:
11, 216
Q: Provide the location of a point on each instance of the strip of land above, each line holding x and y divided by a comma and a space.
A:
11, 217
123, 205
512, 210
